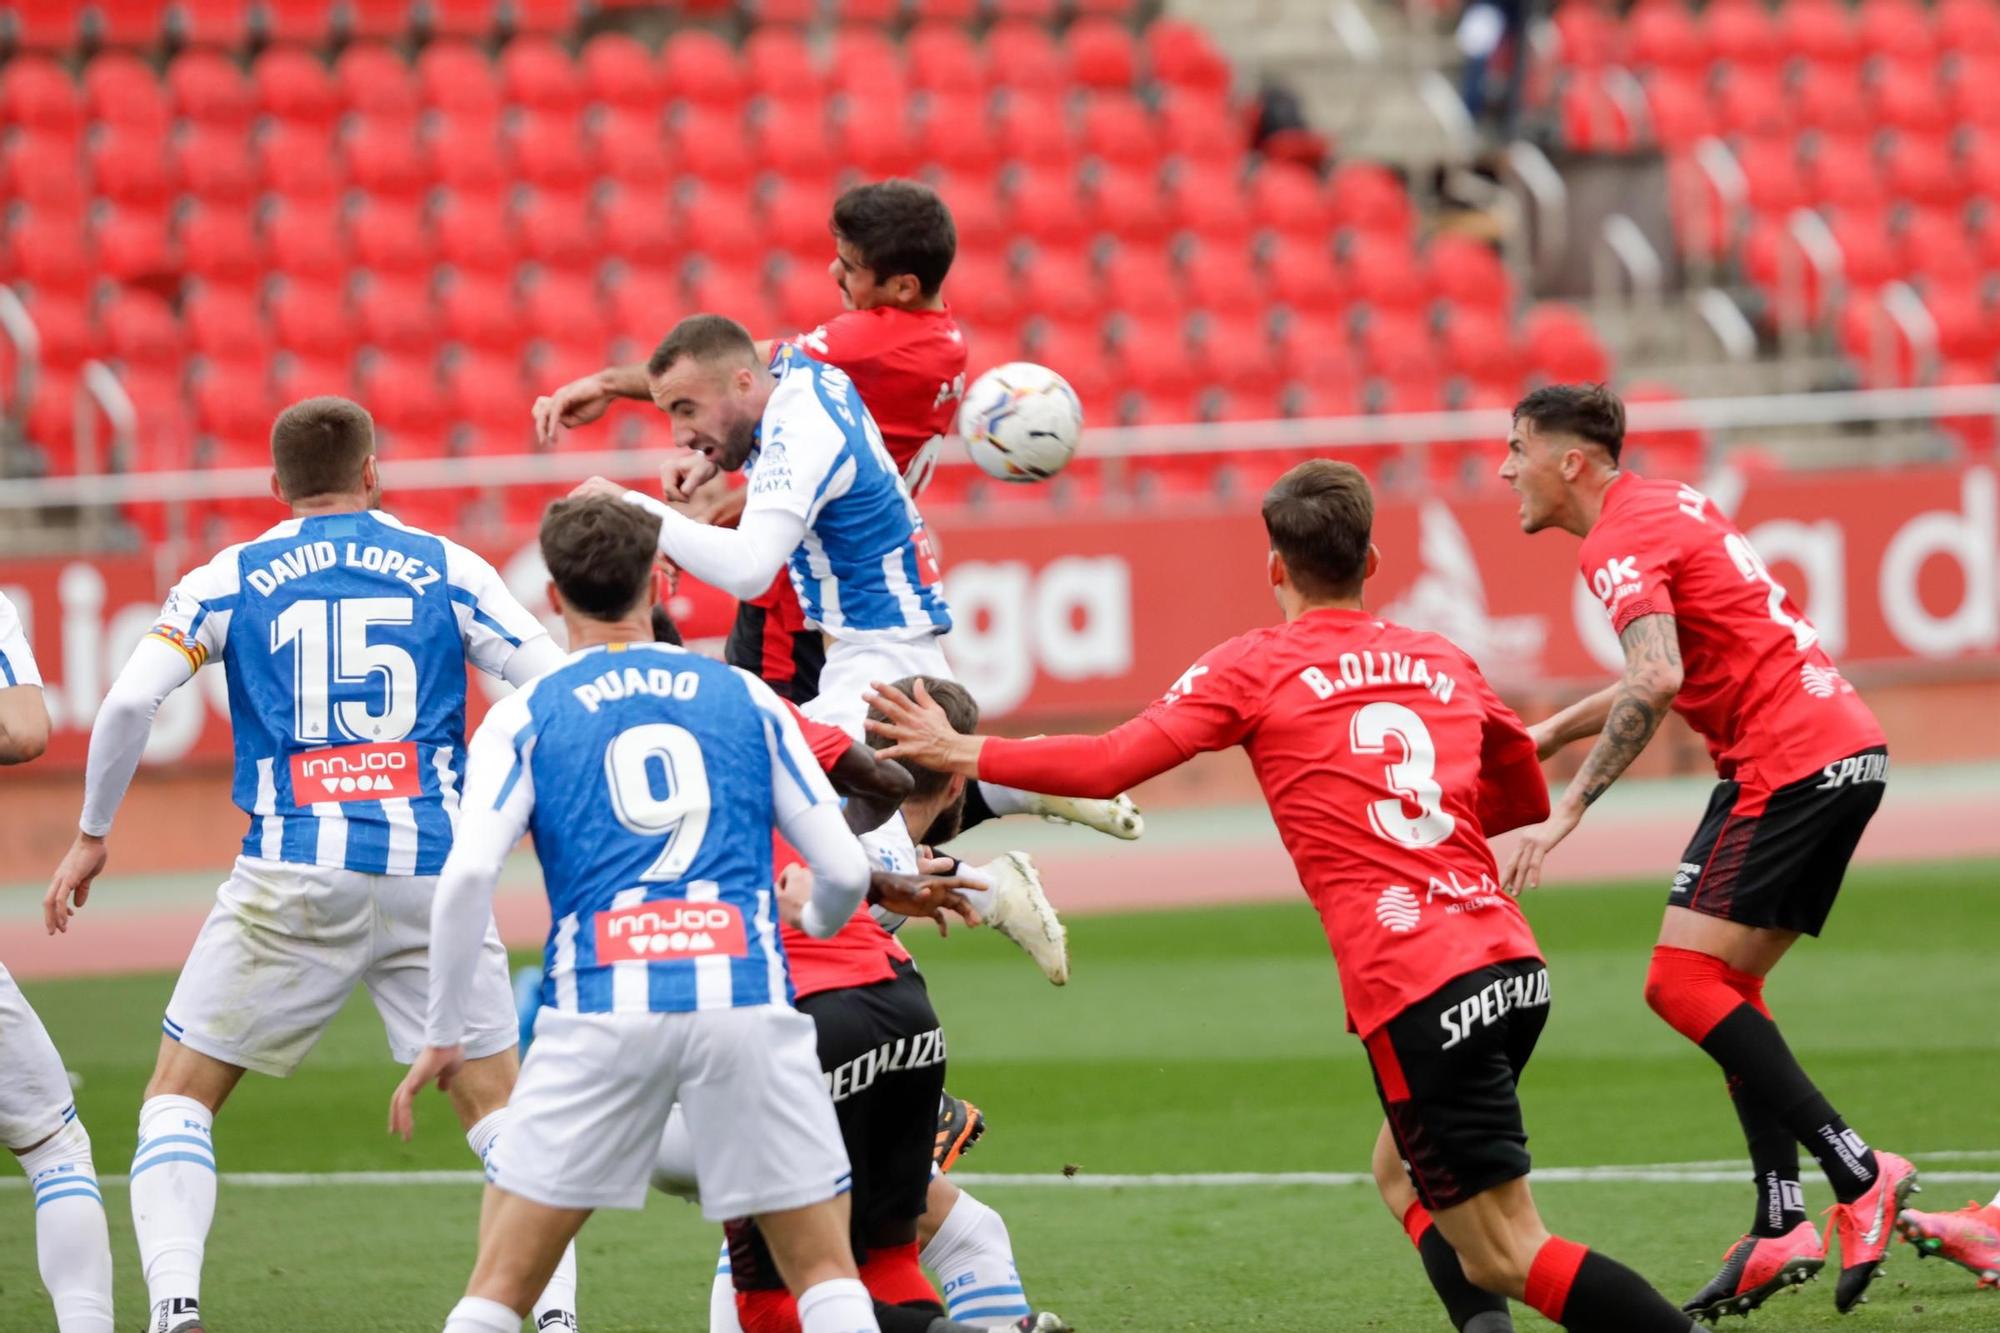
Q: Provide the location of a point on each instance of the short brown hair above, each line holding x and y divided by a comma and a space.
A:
1320, 516
318, 446
1588, 411
899, 226
704, 338
600, 553
959, 708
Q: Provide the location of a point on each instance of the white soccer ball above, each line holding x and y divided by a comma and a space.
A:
1021, 422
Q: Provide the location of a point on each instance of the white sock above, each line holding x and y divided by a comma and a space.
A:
1995, 1203
839, 1306
973, 1260
1005, 800
556, 1306
72, 1238
173, 1202
722, 1297
981, 899
475, 1314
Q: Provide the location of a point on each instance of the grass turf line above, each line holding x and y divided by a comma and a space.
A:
1195, 1041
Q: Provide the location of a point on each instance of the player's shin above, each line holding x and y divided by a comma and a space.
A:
555, 1308
1774, 1161
1470, 1309
72, 1237
973, 1258
173, 1205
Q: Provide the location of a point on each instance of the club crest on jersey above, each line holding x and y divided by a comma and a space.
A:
375, 772
669, 931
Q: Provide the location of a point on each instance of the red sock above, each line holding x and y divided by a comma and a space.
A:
1692, 991
1751, 988
1549, 1277
767, 1311
893, 1276
1416, 1221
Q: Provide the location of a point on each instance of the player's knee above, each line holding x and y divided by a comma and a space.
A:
1392, 1181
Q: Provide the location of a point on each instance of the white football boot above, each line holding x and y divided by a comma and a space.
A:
1118, 816
1022, 913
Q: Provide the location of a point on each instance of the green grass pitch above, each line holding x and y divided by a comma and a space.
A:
1188, 1042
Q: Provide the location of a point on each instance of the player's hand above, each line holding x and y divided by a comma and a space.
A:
921, 731
439, 1064
1524, 865
1547, 741
795, 890
684, 474
577, 403
926, 895
598, 486
70, 889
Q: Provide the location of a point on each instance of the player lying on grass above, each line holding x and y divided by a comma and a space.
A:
896, 339
38, 1120
1386, 760
345, 635
1708, 632
651, 780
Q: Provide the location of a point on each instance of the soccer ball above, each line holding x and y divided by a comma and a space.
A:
1021, 422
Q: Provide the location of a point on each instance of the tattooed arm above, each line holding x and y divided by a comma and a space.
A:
1637, 704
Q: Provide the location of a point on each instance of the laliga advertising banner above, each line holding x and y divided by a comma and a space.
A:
1073, 614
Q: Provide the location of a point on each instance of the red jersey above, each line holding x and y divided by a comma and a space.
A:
1755, 682
909, 368
860, 952
1386, 760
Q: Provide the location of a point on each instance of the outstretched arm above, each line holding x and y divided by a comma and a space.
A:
1584, 718
1639, 702
740, 561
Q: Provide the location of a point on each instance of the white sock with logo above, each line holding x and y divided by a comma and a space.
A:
722, 1297
72, 1237
1005, 801
173, 1204
555, 1308
840, 1306
972, 1257
476, 1314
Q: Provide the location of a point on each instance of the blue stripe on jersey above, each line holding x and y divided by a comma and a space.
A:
691, 777
466, 597
7, 670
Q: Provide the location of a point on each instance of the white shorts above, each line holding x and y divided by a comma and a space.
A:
285, 946
852, 667
35, 1099
584, 1124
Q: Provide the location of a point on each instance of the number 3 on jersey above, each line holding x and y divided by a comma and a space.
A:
1411, 778
330, 647
644, 761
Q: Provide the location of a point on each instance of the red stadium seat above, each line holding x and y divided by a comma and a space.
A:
388, 161
1286, 199
120, 89
621, 72
1024, 54
1127, 206
552, 156
1481, 346
1899, 29
1664, 453
1061, 287
537, 73
1199, 128
220, 250
38, 96
306, 241
215, 24
1754, 103
1224, 281
1588, 36
1743, 34
1385, 274
713, 148
1469, 275
1160, 373
632, 149
953, 11
791, 141
737, 293
43, 173
477, 239
456, 78
1966, 26
953, 134
1665, 36
215, 167
1562, 345
1366, 197
470, 160
299, 22
313, 320
391, 240
1907, 101
559, 234
712, 218
1777, 185
1680, 108
138, 24
50, 254
1045, 209
541, 18
1103, 54
1304, 280
794, 222
700, 67
1975, 92
643, 306
807, 298
133, 169
1924, 171
1208, 202
485, 392
1830, 99
1938, 251
299, 162
564, 311
942, 58
867, 62
133, 247
479, 312
984, 291
374, 81
295, 87
1133, 287
1035, 130
1845, 174
1823, 31
875, 141
781, 66
232, 400
982, 218
1869, 256
1181, 55
210, 89
395, 316
408, 404
41, 28
639, 228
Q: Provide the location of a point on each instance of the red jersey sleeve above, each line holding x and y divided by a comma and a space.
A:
1630, 567
851, 339
1214, 704
1513, 790
827, 743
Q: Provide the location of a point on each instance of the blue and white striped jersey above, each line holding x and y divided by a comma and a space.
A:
865, 570
345, 638
17, 663
651, 779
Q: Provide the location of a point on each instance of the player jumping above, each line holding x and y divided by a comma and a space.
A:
1386, 760
38, 1120
894, 243
651, 779
1708, 631
345, 635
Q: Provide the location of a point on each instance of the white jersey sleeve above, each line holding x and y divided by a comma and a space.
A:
802, 461
807, 812
196, 617
494, 625
17, 661
493, 814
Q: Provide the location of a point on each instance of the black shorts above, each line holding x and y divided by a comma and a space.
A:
1776, 858
883, 1053
776, 647
1446, 1069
